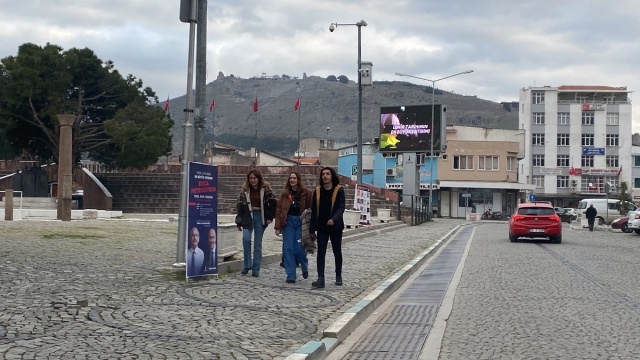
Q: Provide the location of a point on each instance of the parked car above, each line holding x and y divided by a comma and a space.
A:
622, 224
608, 210
573, 212
535, 220
563, 214
633, 223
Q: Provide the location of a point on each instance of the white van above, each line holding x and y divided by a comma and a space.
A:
606, 212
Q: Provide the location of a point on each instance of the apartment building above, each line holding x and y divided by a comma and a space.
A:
578, 141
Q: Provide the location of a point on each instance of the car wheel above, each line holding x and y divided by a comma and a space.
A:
625, 228
600, 221
513, 238
637, 231
556, 239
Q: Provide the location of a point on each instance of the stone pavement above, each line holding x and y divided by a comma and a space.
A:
99, 289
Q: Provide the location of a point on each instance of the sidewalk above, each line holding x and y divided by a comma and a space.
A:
99, 289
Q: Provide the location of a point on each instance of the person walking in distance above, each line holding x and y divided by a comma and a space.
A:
293, 201
591, 216
257, 203
327, 209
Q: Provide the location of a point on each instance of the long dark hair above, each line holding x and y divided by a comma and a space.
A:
301, 187
261, 181
335, 180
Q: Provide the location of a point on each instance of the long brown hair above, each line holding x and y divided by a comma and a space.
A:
301, 186
261, 181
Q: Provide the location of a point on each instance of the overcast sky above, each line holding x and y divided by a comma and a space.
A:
508, 44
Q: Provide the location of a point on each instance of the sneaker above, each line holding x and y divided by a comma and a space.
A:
305, 274
245, 271
319, 284
289, 281
338, 280
255, 274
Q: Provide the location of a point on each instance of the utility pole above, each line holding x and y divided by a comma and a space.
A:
201, 81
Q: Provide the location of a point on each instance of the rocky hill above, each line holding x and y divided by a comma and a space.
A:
324, 104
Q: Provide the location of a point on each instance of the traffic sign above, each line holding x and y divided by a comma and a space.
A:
354, 169
532, 197
466, 194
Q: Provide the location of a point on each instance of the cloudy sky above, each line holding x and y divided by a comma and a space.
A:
508, 44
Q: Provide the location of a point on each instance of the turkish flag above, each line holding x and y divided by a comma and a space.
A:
255, 105
166, 104
297, 105
572, 171
212, 105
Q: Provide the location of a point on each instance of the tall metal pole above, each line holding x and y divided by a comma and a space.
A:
359, 125
201, 81
187, 148
299, 111
433, 112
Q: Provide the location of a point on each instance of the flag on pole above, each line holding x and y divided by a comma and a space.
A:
255, 105
572, 171
297, 105
620, 171
212, 105
166, 104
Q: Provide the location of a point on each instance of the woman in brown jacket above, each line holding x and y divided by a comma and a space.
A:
295, 198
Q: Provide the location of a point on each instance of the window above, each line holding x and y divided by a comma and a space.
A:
587, 161
563, 118
563, 160
538, 180
636, 182
463, 162
538, 139
562, 182
609, 99
538, 118
488, 163
588, 117
613, 119
563, 139
636, 161
538, 160
537, 97
581, 99
587, 139
612, 140
512, 163
612, 161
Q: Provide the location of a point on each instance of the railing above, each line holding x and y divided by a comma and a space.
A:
14, 191
419, 210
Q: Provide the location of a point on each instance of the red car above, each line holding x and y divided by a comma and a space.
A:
622, 224
535, 220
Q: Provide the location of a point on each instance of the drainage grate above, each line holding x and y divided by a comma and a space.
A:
401, 332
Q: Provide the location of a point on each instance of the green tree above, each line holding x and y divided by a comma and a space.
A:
41, 82
624, 197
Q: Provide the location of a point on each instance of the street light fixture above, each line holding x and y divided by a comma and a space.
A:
359, 24
433, 105
327, 144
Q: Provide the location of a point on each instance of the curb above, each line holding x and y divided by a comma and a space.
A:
344, 325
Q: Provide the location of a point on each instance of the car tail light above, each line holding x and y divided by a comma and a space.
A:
637, 216
518, 217
554, 218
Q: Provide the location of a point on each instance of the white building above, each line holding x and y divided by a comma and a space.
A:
577, 139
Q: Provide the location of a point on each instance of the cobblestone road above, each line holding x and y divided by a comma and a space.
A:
535, 300
96, 289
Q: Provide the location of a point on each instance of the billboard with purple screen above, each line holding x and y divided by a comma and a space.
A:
408, 128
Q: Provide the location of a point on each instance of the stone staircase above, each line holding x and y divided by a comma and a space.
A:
159, 193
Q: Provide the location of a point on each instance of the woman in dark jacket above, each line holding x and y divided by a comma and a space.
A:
295, 198
256, 209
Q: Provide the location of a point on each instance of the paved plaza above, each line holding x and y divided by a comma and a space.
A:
94, 289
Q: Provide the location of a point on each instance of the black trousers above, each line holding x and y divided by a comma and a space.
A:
591, 222
336, 246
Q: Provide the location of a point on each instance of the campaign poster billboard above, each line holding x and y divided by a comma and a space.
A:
202, 220
409, 128
362, 203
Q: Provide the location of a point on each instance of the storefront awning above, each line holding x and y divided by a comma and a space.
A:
486, 185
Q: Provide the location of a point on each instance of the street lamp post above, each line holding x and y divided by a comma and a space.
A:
327, 143
359, 24
433, 105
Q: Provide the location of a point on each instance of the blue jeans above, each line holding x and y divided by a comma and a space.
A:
258, 231
292, 249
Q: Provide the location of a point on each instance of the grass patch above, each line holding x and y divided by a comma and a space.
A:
71, 236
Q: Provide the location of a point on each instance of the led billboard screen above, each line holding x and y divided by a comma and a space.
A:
408, 128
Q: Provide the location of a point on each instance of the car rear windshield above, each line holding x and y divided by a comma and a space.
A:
536, 211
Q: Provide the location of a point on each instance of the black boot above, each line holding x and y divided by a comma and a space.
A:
338, 280
318, 283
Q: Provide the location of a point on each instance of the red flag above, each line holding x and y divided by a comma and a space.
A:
572, 171
620, 171
297, 105
166, 104
255, 105
212, 105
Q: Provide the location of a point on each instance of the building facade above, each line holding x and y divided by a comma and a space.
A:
578, 141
